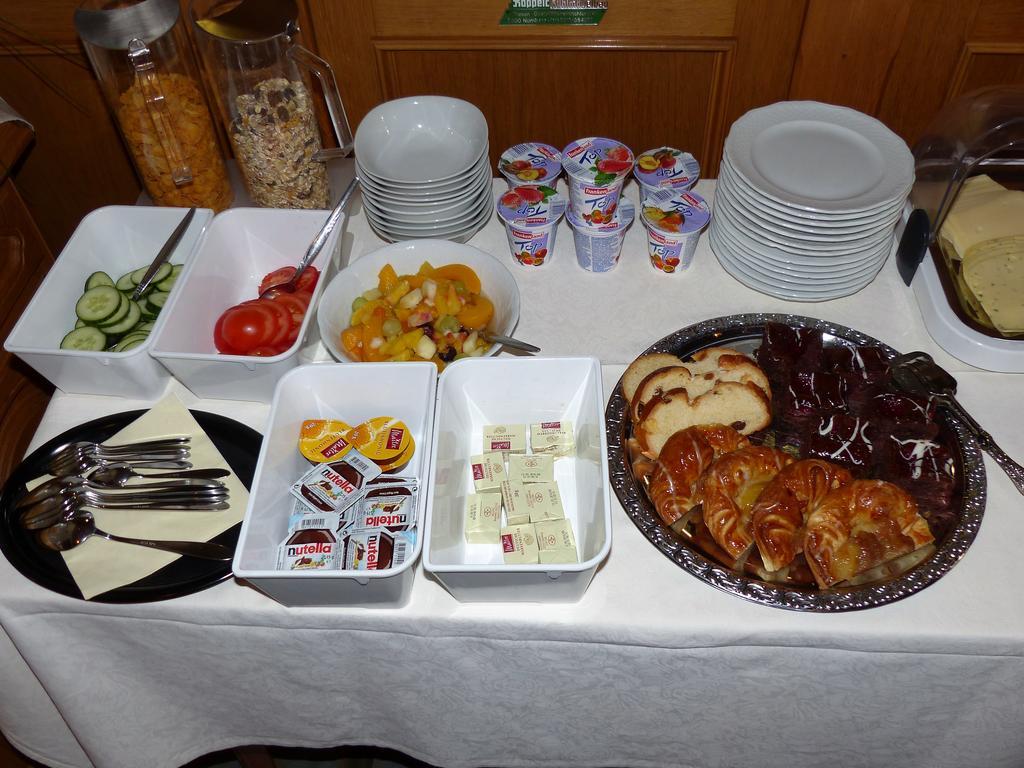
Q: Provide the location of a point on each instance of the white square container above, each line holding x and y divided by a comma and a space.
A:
115, 239
241, 246
475, 392
352, 392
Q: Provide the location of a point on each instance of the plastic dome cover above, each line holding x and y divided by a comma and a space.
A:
981, 132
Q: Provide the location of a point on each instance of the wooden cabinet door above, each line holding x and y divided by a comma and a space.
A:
652, 73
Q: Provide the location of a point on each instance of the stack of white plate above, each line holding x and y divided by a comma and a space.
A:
424, 168
807, 199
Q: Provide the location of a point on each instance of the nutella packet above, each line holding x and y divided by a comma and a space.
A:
390, 505
335, 486
311, 544
377, 550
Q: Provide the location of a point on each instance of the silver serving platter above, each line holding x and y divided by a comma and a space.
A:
744, 331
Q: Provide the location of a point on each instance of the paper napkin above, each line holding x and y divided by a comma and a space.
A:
99, 566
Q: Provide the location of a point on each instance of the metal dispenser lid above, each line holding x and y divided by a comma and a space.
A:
115, 28
249, 20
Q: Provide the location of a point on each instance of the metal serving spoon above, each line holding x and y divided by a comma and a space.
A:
919, 374
68, 534
118, 475
288, 286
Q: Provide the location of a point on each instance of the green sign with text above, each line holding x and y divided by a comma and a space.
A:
574, 12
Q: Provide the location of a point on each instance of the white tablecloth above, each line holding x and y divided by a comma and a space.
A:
651, 668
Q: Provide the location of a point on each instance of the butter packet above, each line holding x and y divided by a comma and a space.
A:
556, 542
483, 518
488, 470
506, 438
531, 468
545, 502
519, 544
553, 437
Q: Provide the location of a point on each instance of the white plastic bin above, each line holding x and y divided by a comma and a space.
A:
115, 239
241, 246
352, 392
475, 392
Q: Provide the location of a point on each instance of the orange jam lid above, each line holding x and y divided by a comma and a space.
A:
323, 440
384, 440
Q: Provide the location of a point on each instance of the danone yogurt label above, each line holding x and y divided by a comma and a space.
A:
596, 161
667, 167
531, 205
530, 163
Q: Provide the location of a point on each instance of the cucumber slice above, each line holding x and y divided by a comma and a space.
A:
130, 320
118, 316
126, 346
98, 278
147, 326
176, 269
124, 283
157, 299
80, 322
137, 275
166, 284
86, 338
97, 304
149, 312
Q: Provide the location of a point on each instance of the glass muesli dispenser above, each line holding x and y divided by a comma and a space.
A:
142, 57
260, 75
969, 201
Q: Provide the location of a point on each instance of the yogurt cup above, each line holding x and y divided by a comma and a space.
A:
665, 167
531, 214
598, 246
530, 163
596, 169
674, 220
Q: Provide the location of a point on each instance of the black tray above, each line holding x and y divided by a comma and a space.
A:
237, 443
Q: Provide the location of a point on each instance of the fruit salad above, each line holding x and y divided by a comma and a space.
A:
438, 314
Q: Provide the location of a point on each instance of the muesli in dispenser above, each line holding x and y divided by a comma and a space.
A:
259, 74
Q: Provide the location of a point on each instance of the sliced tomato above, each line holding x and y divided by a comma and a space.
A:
218, 336
247, 326
294, 304
283, 318
308, 279
266, 351
278, 276
306, 296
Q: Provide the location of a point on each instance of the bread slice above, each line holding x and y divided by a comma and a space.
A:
658, 383
725, 364
741, 405
641, 367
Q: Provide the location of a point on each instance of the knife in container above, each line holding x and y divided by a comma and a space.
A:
164, 254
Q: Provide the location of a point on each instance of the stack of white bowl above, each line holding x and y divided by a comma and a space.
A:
807, 200
424, 169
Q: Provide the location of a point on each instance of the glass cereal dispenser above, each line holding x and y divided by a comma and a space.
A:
142, 57
260, 76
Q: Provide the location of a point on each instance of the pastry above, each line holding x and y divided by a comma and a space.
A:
777, 518
729, 489
860, 526
675, 481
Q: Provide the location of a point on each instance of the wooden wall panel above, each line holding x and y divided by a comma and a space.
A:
987, 64
534, 91
78, 162
847, 49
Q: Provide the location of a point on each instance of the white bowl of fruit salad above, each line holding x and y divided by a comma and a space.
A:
418, 300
